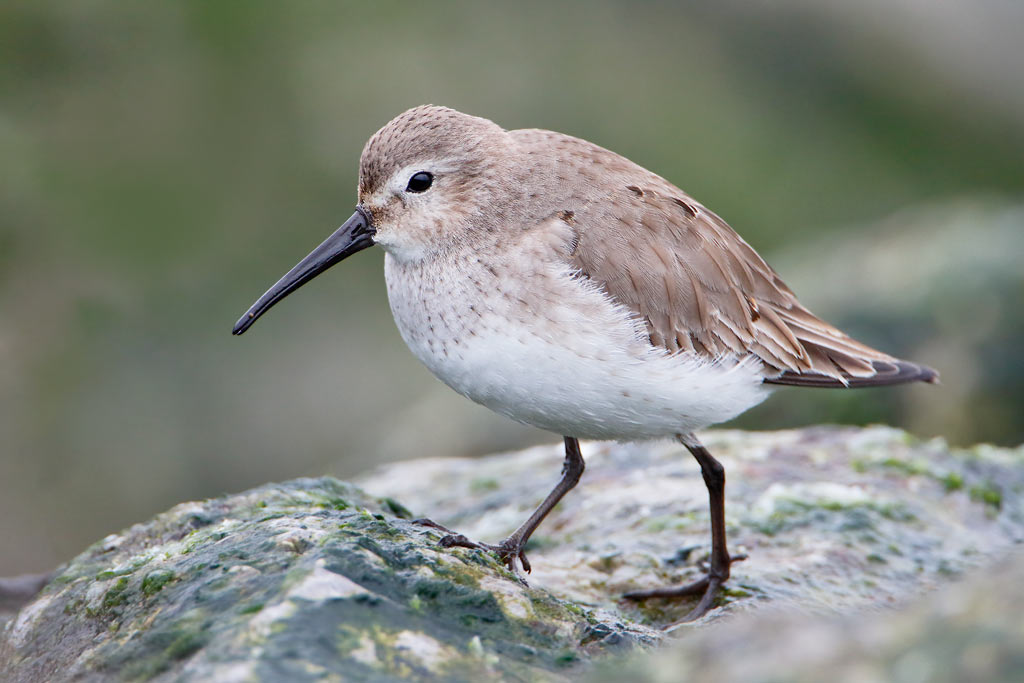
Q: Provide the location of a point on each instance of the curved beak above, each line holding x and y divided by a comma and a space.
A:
354, 235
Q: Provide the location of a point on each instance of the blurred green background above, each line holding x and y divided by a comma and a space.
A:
163, 163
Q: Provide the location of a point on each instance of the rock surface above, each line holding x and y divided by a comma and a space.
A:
317, 580
967, 631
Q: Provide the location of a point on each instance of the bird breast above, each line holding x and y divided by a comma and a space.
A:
534, 341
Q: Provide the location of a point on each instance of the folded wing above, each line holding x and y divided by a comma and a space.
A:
700, 288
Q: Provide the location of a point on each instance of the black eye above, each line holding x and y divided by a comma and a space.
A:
419, 182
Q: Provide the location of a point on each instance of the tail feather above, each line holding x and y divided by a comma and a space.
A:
886, 373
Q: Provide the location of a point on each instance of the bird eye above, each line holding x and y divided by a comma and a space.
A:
419, 182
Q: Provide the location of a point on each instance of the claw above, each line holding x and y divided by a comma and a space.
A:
707, 587
525, 562
507, 551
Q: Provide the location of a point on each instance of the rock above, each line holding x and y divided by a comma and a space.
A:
966, 631
296, 581
833, 518
316, 579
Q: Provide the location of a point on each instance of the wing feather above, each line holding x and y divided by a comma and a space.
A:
700, 288
695, 284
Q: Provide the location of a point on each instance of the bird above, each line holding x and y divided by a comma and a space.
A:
566, 287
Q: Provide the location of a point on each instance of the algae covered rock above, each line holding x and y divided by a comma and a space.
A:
318, 580
832, 518
297, 581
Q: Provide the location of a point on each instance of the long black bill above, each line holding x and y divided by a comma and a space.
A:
355, 235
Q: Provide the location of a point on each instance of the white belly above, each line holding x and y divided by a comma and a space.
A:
552, 351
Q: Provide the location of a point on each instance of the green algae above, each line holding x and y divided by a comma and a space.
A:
396, 508
987, 493
156, 580
953, 481
908, 467
334, 504
126, 569
115, 596
842, 515
185, 644
484, 484
669, 522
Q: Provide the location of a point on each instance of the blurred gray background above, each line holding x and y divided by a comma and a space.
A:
164, 163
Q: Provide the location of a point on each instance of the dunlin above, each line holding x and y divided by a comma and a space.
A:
568, 288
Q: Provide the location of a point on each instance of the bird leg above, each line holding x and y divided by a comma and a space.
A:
718, 571
512, 547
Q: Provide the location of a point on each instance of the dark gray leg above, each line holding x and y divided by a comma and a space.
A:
512, 547
718, 573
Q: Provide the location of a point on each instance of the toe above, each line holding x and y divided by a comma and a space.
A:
431, 524
525, 562
457, 540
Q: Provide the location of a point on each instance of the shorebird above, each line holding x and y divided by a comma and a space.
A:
568, 288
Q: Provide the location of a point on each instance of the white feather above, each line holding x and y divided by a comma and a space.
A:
572, 362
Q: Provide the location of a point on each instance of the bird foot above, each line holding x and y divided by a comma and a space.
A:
707, 587
508, 551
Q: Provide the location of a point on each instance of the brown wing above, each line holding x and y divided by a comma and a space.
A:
700, 288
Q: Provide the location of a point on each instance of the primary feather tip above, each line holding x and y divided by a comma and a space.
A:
886, 373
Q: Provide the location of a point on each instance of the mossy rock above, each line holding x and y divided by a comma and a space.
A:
297, 581
316, 579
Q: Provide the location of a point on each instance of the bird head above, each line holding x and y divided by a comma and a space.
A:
431, 177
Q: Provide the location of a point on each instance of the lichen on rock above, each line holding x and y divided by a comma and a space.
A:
291, 582
320, 579
832, 518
